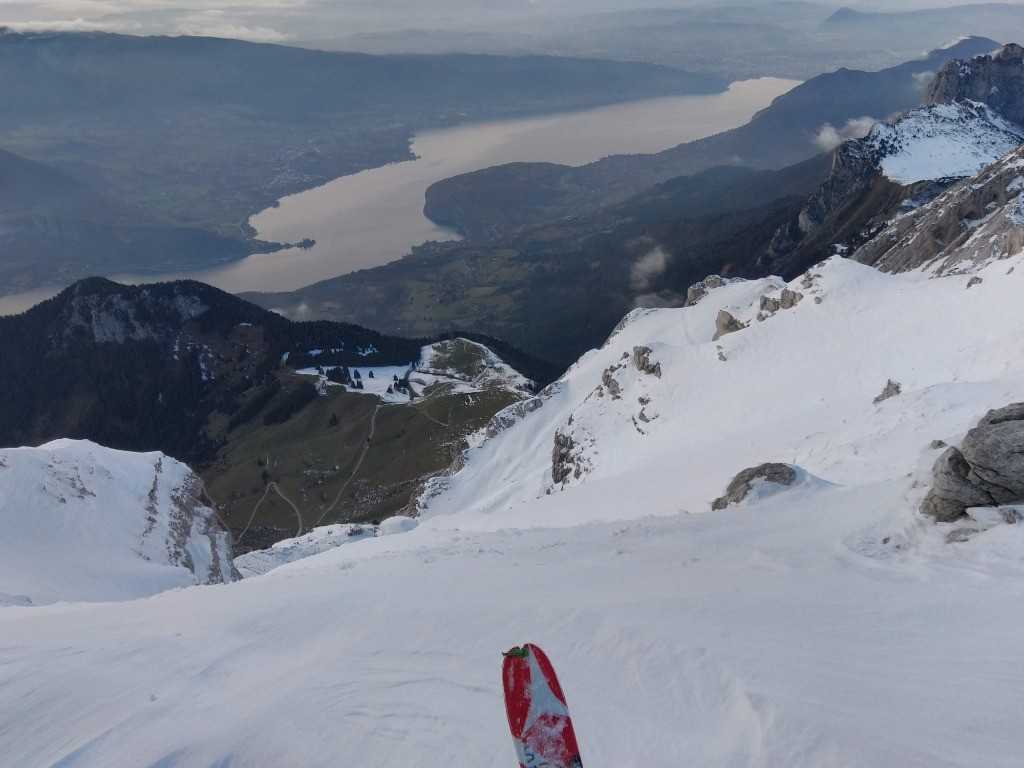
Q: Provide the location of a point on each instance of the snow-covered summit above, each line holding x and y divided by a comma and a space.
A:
81, 522
942, 141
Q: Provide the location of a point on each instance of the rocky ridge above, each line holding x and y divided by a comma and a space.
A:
899, 166
974, 221
997, 80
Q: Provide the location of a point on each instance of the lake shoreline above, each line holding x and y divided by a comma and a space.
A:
375, 216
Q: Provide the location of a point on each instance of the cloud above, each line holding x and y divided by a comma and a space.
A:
921, 79
829, 137
648, 269
301, 312
214, 23
68, 25
659, 300
257, 20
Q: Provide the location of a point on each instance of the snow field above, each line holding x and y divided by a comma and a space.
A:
752, 637
796, 388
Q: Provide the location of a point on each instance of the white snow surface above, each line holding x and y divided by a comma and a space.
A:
943, 141
80, 522
320, 539
825, 626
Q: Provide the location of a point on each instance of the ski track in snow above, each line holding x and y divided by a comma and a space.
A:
780, 632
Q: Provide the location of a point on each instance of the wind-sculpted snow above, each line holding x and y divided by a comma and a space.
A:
83, 522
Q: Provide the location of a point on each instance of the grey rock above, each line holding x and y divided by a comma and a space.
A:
973, 281
996, 80
562, 465
726, 323
740, 487
1012, 412
892, 388
611, 384
698, 291
790, 298
642, 361
986, 471
1010, 515
959, 535
768, 304
936, 444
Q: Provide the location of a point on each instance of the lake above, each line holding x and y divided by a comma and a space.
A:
376, 216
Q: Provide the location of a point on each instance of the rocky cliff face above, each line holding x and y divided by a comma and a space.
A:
996, 80
978, 219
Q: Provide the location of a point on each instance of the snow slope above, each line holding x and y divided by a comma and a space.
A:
825, 625
796, 388
942, 141
82, 522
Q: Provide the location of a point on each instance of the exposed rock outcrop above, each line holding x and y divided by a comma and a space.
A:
565, 461
742, 484
509, 415
698, 291
642, 361
892, 388
726, 323
789, 299
996, 80
986, 471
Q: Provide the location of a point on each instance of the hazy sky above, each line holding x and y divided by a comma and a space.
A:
297, 20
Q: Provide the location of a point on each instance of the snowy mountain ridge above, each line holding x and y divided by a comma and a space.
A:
974, 221
908, 161
942, 141
85, 523
770, 392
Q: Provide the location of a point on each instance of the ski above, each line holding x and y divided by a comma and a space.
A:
537, 711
